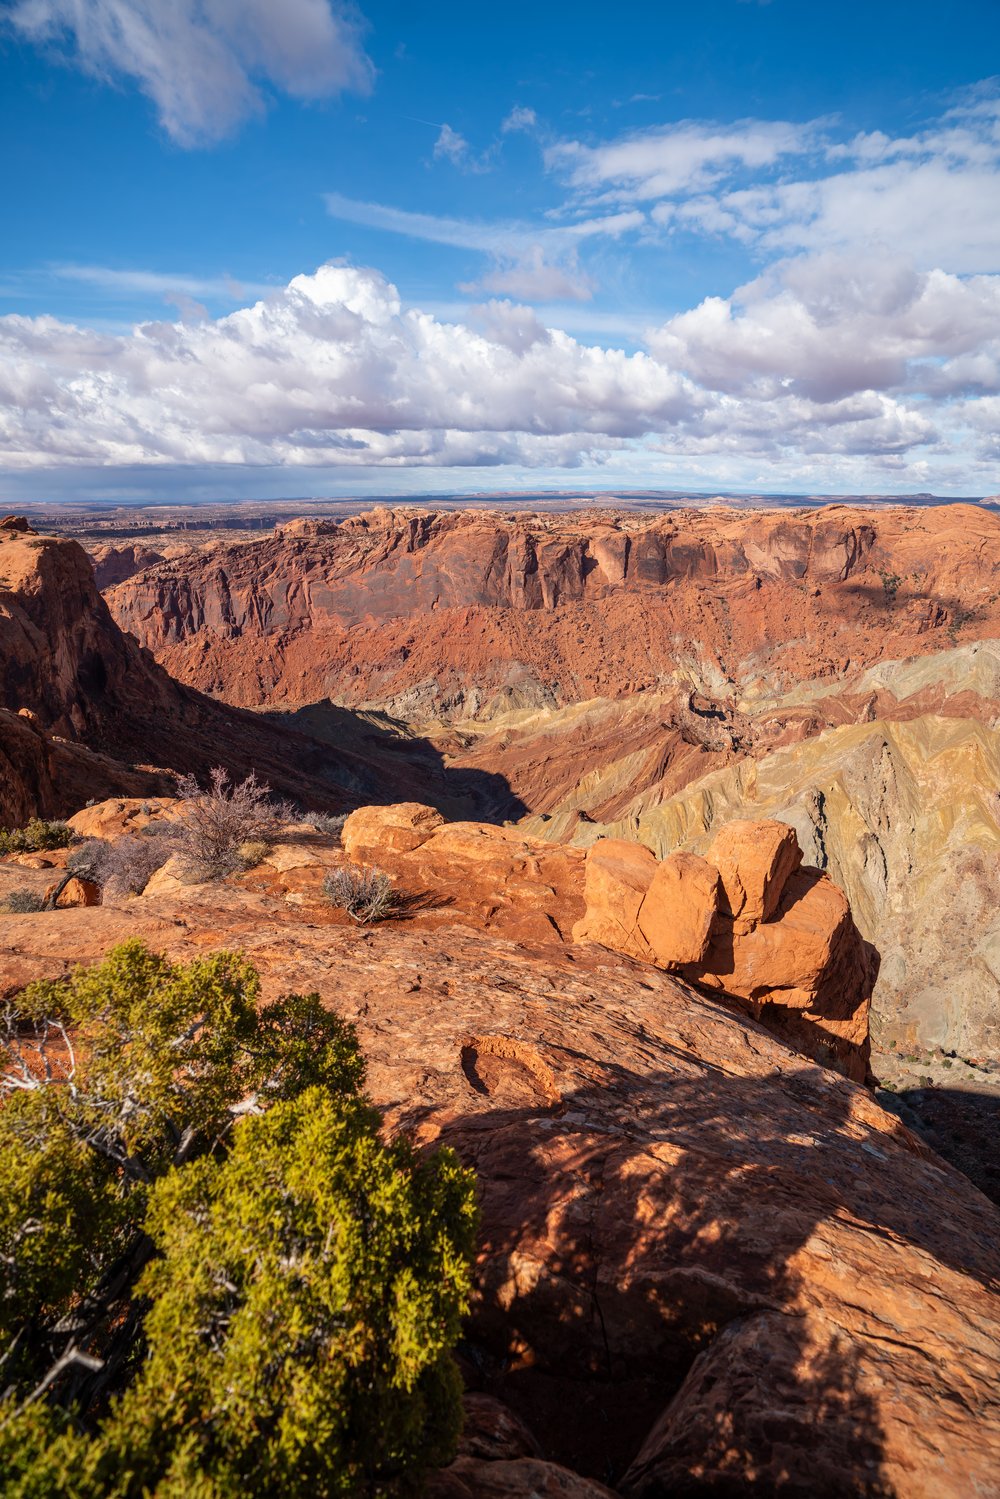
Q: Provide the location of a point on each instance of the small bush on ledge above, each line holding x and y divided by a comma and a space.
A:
218, 820
36, 837
367, 895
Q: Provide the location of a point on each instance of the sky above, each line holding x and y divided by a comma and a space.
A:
254, 249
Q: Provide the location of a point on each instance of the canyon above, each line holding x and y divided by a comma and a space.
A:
616, 675
696, 819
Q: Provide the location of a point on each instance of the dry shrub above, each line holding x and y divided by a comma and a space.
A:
367, 895
330, 826
217, 820
253, 853
23, 903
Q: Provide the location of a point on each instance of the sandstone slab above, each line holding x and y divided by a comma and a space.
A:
703, 1259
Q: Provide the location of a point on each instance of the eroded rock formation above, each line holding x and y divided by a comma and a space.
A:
431, 614
746, 921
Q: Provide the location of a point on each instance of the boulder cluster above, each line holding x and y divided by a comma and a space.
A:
747, 919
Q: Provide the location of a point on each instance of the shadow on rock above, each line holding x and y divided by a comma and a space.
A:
661, 1256
380, 761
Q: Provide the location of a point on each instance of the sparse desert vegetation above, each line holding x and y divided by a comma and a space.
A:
367, 895
217, 1278
222, 817
35, 837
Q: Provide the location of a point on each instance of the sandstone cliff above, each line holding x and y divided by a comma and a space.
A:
442, 613
87, 683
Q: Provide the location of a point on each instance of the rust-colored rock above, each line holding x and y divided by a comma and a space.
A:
478, 611
374, 833
118, 815
807, 972
804, 967
75, 892
705, 1263
679, 908
488, 876
616, 879
518, 1478
755, 861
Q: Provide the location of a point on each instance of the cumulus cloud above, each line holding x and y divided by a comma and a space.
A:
332, 370
830, 326
335, 371
202, 62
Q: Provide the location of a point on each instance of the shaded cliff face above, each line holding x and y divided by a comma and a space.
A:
83, 680
458, 615
704, 1261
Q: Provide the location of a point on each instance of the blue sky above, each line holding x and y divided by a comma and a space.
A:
255, 249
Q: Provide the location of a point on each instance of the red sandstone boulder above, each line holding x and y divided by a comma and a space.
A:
618, 875
807, 972
754, 860
749, 923
372, 833
75, 892
678, 909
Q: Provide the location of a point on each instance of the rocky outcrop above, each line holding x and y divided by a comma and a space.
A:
747, 921
706, 1265
458, 614
905, 817
44, 775
488, 876
117, 564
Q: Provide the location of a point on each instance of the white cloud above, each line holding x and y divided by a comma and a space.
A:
830, 326
451, 146
129, 282
531, 278
778, 187
681, 158
202, 62
528, 261
520, 118
332, 370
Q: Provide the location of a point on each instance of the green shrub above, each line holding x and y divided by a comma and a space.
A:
35, 838
217, 1279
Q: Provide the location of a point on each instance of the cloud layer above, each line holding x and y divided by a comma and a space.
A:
202, 62
333, 371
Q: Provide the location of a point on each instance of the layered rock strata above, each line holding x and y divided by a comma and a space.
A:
436, 614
